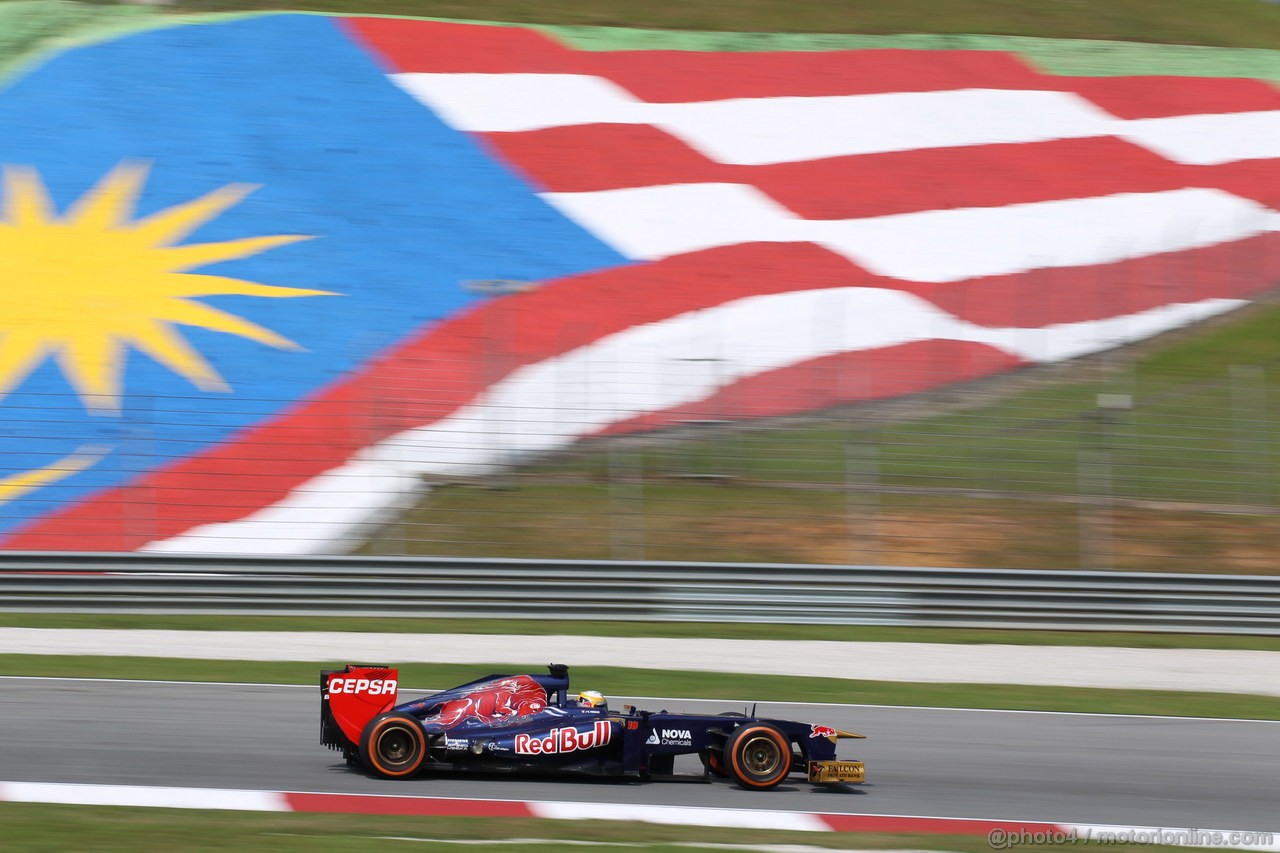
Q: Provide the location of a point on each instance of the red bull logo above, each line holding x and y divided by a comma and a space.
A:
822, 731
565, 740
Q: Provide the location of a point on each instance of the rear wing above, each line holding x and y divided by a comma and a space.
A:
352, 696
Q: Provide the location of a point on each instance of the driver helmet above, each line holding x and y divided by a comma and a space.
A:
590, 699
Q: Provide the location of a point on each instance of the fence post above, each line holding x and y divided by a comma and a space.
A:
1248, 422
626, 501
862, 473
1096, 486
137, 432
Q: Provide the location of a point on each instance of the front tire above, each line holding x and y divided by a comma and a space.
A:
393, 746
758, 756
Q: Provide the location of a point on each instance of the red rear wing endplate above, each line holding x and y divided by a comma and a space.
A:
356, 694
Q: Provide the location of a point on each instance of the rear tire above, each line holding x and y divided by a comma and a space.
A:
758, 756
393, 746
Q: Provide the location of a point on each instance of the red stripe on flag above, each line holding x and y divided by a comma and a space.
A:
835, 380
1040, 297
967, 176
588, 157
674, 76
423, 806
443, 48
1255, 179
594, 157
1160, 97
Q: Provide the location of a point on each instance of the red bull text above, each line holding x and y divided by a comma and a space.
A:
565, 740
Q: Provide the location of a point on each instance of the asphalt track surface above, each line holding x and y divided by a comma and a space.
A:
1071, 768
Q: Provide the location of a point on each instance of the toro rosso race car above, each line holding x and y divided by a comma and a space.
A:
529, 722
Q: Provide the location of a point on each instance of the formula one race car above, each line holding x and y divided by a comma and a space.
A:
529, 722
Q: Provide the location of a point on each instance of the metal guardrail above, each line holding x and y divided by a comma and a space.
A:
710, 592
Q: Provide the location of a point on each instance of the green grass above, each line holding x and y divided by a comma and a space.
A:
730, 687
42, 828
692, 630
1227, 23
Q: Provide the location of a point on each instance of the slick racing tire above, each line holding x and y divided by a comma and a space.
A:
758, 756
393, 746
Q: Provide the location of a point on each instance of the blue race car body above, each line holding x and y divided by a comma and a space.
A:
528, 722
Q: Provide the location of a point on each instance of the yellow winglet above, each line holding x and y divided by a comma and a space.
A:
840, 734
837, 771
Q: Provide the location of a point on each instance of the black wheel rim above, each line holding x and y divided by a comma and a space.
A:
761, 756
397, 746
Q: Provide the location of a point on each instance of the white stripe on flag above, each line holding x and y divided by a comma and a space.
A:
934, 246
1208, 140
551, 404
512, 102
775, 130
754, 131
647, 223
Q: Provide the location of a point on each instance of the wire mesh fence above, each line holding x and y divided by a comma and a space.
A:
1059, 479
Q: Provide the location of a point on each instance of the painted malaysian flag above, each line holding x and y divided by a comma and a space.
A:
273, 341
